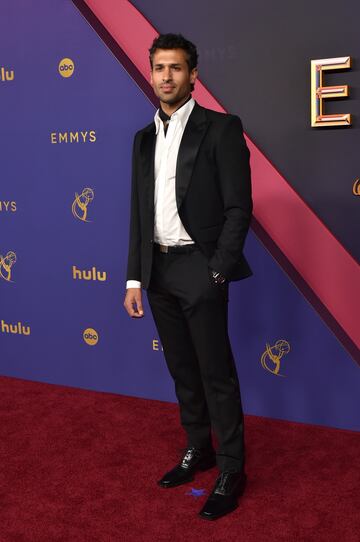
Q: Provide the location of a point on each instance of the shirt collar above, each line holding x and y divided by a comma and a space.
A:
182, 115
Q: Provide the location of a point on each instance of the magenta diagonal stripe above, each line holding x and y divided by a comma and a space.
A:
317, 256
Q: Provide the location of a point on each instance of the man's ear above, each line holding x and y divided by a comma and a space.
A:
193, 75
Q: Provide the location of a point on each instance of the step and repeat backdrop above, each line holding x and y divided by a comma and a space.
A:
68, 113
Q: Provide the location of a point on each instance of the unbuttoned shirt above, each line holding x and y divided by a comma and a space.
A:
168, 228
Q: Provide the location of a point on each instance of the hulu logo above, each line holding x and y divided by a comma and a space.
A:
85, 274
6, 75
15, 329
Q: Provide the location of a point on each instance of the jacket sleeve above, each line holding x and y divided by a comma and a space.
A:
232, 160
134, 254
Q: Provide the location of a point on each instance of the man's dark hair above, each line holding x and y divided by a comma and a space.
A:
175, 41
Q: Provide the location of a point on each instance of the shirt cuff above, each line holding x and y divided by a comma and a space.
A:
133, 284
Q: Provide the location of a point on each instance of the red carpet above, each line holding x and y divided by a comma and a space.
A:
73, 469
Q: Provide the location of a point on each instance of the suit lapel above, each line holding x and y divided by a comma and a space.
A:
193, 135
190, 143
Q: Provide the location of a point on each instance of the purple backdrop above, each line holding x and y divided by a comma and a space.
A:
319, 381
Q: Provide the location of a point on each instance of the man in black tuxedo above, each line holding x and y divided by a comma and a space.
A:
190, 212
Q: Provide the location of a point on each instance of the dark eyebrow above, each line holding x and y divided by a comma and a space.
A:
176, 65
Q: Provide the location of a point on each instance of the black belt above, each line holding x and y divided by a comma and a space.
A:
176, 249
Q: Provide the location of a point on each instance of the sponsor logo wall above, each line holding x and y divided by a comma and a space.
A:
67, 133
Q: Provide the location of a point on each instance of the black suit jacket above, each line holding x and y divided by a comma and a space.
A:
213, 193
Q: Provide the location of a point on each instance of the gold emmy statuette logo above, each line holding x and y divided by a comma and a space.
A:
80, 204
66, 67
7, 206
270, 360
356, 187
15, 329
6, 75
6, 263
90, 336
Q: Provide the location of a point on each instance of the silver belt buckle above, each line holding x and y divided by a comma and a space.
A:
164, 249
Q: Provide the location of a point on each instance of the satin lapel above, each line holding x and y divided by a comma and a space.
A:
193, 135
147, 152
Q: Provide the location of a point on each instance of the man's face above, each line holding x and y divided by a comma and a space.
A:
170, 77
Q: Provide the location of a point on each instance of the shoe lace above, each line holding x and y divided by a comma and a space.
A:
188, 454
221, 482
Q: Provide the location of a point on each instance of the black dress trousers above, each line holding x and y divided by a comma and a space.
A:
191, 312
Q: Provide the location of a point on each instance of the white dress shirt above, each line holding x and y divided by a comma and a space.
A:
168, 228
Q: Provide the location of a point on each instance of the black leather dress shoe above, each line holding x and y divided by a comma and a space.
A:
193, 460
223, 498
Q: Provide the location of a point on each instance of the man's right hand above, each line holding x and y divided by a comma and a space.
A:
133, 302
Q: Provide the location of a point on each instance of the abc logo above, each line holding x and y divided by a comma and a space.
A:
90, 336
66, 67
